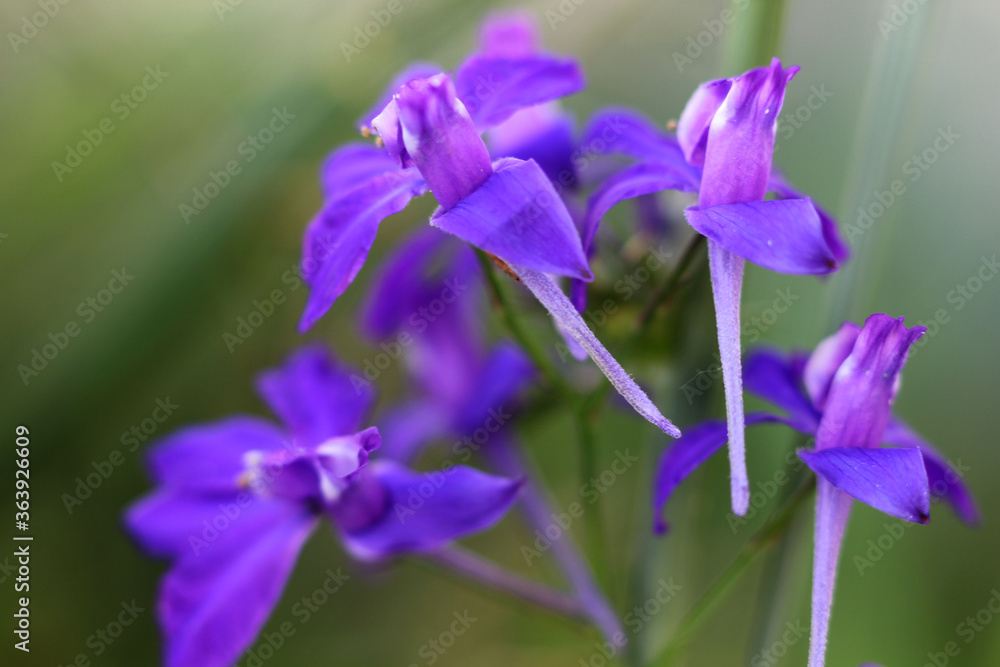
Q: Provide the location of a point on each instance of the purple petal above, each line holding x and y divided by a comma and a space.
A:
889, 479
943, 479
841, 252
417, 70
773, 376
833, 508
212, 456
541, 133
353, 165
439, 137
684, 456
566, 316
860, 398
424, 511
517, 216
337, 241
509, 34
494, 88
213, 604
619, 130
408, 428
426, 266
740, 141
826, 359
784, 235
727, 280
695, 120
494, 390
639, 179
317, 397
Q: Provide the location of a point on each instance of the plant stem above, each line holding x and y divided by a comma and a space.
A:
458, 561
508, 460
772, 531
593, 522
756, 37
669, 288
518, 329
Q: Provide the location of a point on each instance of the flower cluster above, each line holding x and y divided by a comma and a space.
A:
519, 192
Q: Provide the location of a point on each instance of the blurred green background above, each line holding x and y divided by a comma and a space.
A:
226, 66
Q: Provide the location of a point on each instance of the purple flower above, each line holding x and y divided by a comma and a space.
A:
509, 208
427, 298
842, 394
724, 146
238, 498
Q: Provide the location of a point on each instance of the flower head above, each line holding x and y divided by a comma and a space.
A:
430, 129
238, 498
842, 394
723, 149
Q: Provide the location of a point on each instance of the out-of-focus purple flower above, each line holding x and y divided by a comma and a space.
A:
842, 394
726, 132
427, 300
238, 498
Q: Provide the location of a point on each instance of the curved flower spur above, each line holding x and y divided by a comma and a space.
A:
842, 394
430, 130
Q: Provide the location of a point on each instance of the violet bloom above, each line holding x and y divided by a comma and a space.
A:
727, 131
842, 394
427, 298
238, 498
431, 134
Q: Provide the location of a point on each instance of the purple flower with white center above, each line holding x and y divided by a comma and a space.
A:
238, 498
727, 133
509, 208
842, 394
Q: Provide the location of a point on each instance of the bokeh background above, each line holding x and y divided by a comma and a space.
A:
228, 64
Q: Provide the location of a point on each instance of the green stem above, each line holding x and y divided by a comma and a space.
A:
756, 36
768, 535
668, 289
588, 411
518, 329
